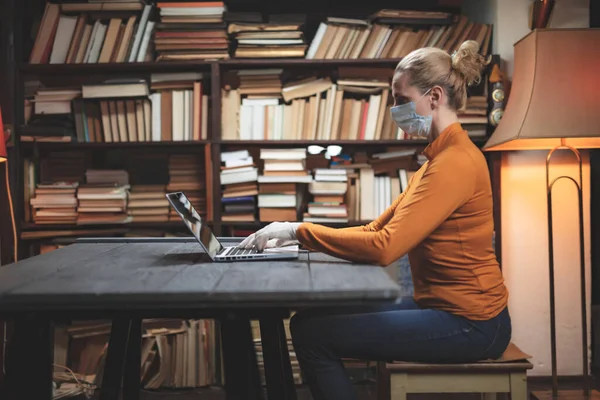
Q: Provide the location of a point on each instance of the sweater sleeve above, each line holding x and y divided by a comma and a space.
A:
380, 222
444, 187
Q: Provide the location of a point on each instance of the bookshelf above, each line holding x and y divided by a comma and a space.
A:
215, 75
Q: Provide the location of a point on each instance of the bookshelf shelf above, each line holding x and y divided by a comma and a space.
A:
393, 142
196, 65
255, 224
234, 143
113, 145
115, 68
28, 226
300, 62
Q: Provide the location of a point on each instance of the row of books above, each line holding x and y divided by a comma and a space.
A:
173, 107
102, 32
389, 36
107, 197
175, 353
291, 187
90, 33
261, 108
290, 184
317, 108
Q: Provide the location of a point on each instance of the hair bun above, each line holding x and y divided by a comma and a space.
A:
468, 62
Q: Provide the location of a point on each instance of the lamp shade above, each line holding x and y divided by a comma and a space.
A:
555, 94
3, 152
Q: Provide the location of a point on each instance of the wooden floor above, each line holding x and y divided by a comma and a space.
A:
365, 392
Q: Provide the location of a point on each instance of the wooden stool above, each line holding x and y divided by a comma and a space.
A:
505, 375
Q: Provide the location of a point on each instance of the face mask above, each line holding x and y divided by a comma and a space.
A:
407, 119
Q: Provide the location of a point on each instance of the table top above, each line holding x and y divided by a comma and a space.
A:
174, 273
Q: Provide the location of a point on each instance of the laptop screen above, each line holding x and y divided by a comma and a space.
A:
190, 217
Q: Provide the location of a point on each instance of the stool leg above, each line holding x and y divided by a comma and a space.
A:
398, 386
488, 396
518, 386
383, 381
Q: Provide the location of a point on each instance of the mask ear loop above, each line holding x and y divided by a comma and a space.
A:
424, 94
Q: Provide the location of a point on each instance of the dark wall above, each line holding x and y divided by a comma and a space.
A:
594, 14
7, 106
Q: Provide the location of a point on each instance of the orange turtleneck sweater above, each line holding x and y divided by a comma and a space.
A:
443, 220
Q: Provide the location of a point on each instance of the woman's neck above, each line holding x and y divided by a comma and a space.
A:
440, 121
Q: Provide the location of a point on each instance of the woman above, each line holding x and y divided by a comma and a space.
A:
443, 221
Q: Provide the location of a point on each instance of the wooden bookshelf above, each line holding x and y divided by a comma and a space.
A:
215, 74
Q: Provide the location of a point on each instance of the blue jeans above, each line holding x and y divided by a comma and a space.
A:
402, 332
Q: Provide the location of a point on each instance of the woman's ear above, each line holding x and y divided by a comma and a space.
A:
437, 95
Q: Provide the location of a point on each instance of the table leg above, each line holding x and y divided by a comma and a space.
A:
278, 369
115, 359
30, 358
132, 376
242, 380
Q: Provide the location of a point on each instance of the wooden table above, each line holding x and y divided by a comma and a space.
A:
128, 280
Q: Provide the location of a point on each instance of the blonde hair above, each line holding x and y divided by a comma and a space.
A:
429, 66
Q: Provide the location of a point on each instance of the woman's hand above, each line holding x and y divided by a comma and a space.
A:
284, 233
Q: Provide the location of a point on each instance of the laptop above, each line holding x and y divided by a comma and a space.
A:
204, 235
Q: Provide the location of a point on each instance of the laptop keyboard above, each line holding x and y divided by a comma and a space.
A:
238, 251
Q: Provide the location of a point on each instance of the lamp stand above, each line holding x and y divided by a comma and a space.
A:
556, 394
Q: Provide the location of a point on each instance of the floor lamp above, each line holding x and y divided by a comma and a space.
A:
4, 161
554, 105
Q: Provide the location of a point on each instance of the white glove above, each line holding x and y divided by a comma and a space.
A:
284, 234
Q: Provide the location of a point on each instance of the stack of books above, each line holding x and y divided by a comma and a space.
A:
54, 100
238, 178
191, 31
186, 174
328, 190
260, 83
280, 36
474, 117
279, 197
147, 203
103, 199
55, 203
393, 160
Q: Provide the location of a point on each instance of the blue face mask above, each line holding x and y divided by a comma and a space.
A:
407, 119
